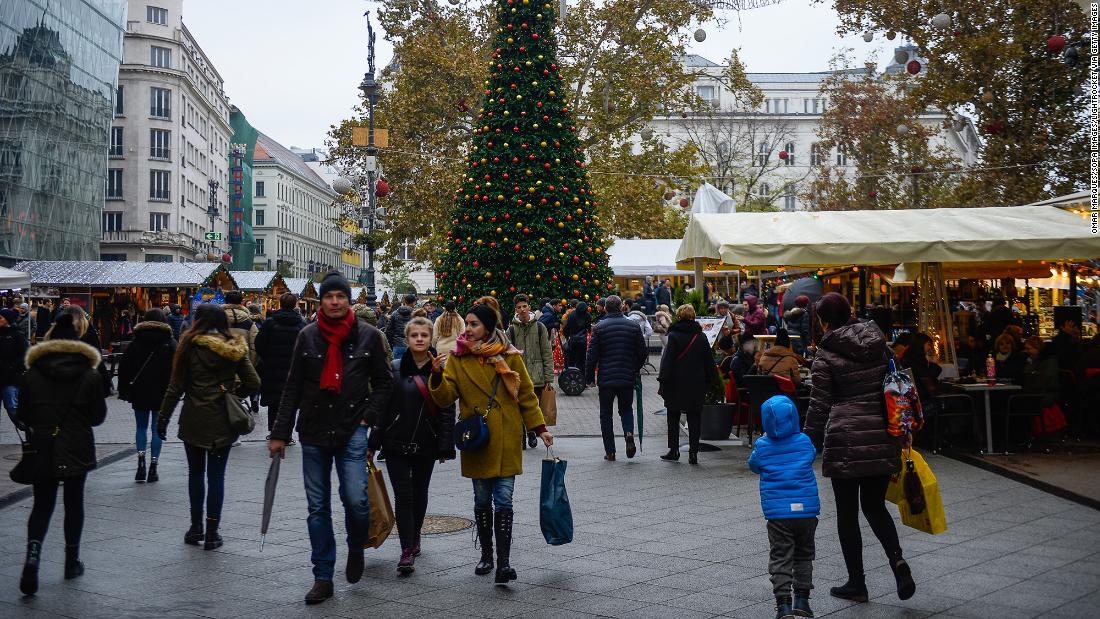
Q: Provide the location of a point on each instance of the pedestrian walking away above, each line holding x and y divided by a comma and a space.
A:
617, 350
395, 326
275, 349
487, 377
339, 382
175, 320
61, 400
784, 459
209, 361
846, 423
687, 374
13, 349
447, 328
415, 433
533, 340
241, 321
143, 376
576, 330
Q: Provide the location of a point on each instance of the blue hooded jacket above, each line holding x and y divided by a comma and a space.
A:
784, 459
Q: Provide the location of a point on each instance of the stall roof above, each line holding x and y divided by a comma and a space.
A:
11, 280
839, 238
94, 274
254, 281
639, 257
298, 285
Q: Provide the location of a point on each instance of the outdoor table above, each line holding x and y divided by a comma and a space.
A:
985, 388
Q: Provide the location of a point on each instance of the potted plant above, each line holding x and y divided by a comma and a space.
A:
716, 420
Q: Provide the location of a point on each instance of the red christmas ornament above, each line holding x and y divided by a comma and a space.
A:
684, 203
1056, 44
783, 155
669, 195
913, 67
226, 257
872, 194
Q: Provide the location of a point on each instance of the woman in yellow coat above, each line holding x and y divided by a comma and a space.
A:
482, 360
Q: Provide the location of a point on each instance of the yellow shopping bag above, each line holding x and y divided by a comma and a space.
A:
931, 518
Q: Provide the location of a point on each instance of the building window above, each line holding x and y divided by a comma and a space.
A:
112, 257
160, 102
118, 101
259, 218
788, 198
841, 157
815, 155
112, 222
706, 93
114, 184
260, 189
160, 142
156, 15
158, 222
260, 247
159, 185
762, 154
160, 57
405, 250
763, 190
790, 153
116, 142
158, 257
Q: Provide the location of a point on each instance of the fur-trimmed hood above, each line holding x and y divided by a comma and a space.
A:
63, 359
153, 325
233, 350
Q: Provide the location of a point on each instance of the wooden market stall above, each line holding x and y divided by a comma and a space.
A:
262, 287
306, 291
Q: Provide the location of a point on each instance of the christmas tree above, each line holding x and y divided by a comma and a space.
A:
525, 217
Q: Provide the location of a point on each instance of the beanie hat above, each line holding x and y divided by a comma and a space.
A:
802, 301
10, 315
332, 282
834, 310
486, 315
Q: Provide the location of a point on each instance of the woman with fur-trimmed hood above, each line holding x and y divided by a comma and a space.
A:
143, 377
210, 365
60, 400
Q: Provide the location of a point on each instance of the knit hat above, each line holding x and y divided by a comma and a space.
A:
332, 282
486, 315
10, 315
802, 301
834, 310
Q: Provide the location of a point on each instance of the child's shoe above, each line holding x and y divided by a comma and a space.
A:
783, 608
802, 603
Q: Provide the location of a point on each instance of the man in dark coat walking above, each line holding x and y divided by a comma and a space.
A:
618, 350
13, 347
275, 349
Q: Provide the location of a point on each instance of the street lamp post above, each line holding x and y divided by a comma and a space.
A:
212, 208
372, 91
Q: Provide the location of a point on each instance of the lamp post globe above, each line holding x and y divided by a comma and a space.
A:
343, 186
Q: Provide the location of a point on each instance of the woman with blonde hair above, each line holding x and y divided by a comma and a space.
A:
687, 373
448, 327
662, 320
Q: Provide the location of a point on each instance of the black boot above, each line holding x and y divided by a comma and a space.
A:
855, 590
140, 475
672, 455
904, 577
194, 535
483, 518
73, 565
152, 477
802, 603
783, 608
503, 526
213, 540
28, 584
693, 457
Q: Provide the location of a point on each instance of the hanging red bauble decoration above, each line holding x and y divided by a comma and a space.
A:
226, 257
872, 194
1056, 44
783, 155
913, 67
684, 203
381, 188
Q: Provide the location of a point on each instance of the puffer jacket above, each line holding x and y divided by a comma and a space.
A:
781, 361
550, 318
797, 320
395, 327
532, 338
784, 459
61, 399
175, 320
618, 349
241, 323
13, 349
275, 349
146, 366
846, 404
326, 418
210, 367
410, 419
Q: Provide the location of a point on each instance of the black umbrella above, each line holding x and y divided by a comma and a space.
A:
269, 497
809, 286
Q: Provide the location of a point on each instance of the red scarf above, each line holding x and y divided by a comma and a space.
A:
335, 331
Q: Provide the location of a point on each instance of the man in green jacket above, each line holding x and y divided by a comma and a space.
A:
531, 337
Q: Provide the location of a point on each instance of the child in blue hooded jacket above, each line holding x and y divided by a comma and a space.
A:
784, 459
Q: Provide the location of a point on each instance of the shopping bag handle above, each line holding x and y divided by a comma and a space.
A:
550, 454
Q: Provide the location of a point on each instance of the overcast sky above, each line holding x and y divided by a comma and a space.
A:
293, 66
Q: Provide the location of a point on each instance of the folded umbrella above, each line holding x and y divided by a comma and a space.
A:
269, 497
638, 392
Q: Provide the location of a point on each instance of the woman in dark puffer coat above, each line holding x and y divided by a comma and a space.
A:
846, 417
142, 380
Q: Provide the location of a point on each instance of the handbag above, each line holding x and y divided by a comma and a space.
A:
35, 460
548, 402
381, 510
240, 418
555, 514
472, 433
1051, 420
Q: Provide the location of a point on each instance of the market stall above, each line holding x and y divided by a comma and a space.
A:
262, 287
631, 260
306, 291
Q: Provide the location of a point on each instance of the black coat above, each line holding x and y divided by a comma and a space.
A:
61, 398
44, 320
13, 347
275, 348
146, 366
176, 322
407, 418
395, 327
686, 377
664, 296
618, 349
328, 418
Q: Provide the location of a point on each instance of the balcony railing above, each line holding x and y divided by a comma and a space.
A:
146, 237
161, 153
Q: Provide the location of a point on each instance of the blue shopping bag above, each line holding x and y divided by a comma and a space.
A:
555, 515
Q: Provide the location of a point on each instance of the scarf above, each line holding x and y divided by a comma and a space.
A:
335, 331
492, 351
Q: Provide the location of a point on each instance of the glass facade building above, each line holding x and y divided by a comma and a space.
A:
58, 70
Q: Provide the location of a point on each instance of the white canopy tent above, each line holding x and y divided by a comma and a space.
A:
14, 280
641, 257
710, 199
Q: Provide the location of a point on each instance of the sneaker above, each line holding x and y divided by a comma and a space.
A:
631, 448
321, 591
406, 565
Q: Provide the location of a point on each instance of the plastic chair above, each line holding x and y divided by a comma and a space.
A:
761, 387
1022, 405
953, 406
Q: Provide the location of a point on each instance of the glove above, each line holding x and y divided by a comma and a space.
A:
162, 432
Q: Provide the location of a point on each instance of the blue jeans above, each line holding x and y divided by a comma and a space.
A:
141, 437
608, 395
351, 470
210, 463
494, 491
11, 399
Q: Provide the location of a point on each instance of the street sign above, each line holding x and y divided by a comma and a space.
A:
212, 236
360, 136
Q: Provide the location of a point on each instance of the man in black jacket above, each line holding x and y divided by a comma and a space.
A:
275, 349
395, 326
13, 348
339, 380
618, 350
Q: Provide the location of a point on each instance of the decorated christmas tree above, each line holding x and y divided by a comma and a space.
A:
525, 216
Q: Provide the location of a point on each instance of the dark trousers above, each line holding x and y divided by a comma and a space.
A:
206, 479
625, 396
410, 477
868, 493
792, 554
694, 428
45, 498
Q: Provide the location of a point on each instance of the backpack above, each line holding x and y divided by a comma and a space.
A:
902, 404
